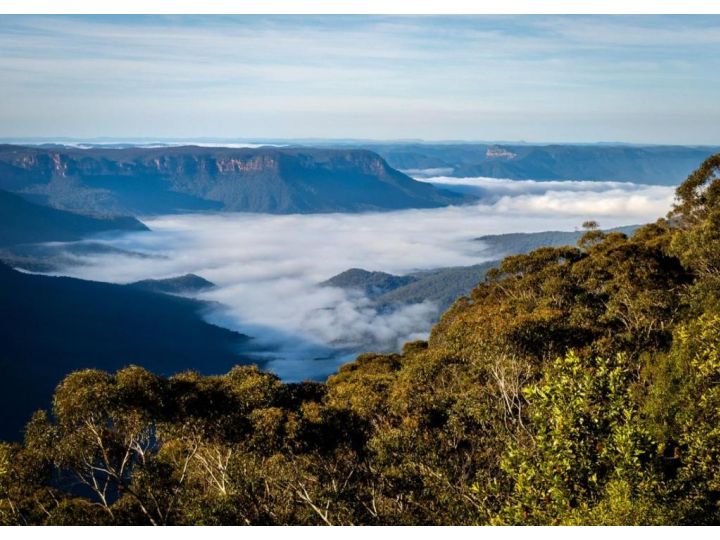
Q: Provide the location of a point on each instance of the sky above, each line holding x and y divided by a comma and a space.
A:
640, 79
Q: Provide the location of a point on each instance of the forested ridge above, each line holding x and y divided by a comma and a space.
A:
573, 386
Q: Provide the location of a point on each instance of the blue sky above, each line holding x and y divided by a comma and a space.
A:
653, 79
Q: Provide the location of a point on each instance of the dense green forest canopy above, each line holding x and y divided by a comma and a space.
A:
575, 385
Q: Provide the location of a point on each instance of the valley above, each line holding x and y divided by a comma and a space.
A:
359, 263
299, 290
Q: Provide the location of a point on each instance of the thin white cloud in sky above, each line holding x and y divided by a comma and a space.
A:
563, 78
268, 267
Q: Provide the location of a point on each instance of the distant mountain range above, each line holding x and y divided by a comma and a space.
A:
170, 179
662, 165
141, 181
52, 326
644, 164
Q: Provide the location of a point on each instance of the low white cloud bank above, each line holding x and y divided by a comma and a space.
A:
267, 267
141, 144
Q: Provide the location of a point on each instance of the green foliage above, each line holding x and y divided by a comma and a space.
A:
588, 455
698, 349
573, 386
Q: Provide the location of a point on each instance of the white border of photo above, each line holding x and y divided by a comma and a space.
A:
366, 7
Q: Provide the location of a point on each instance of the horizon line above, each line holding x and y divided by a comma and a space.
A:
188, 141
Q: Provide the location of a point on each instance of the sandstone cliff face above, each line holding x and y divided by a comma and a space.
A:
157, 180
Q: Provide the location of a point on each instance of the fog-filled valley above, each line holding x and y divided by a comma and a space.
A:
267, 269
326, 268
296, 259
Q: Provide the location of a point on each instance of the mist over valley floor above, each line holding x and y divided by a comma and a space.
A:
267, 269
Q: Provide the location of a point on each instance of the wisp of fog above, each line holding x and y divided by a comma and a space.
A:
267, 268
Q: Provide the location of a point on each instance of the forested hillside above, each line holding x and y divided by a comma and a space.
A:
24, 222
441, 286
54, 325
502, 245
575, 385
